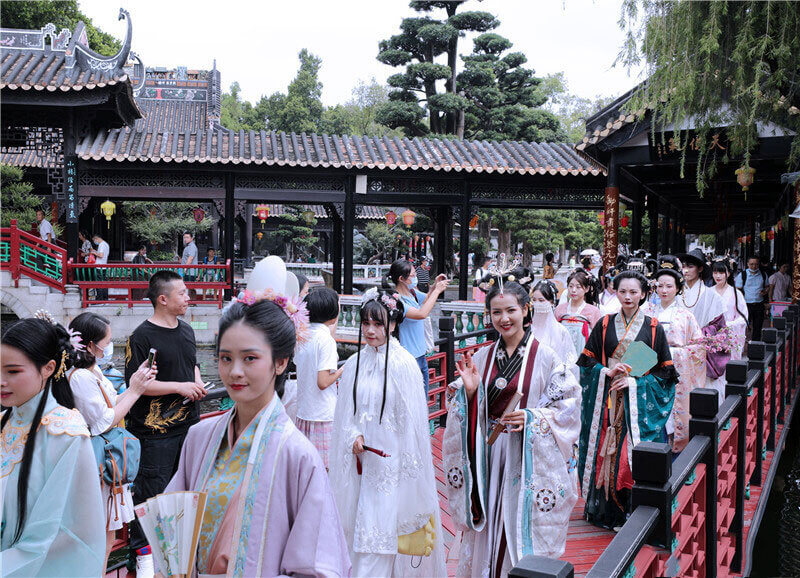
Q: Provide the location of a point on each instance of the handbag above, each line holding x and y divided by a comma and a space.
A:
419, 543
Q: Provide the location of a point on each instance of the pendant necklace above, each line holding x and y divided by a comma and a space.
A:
683, 297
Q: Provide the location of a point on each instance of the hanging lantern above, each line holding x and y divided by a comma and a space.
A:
262, 211
199, 215
763, 235
259, 235
744, 176
601, 216
108, 208
624, 221
308, 216
408, 217
473, 222
391, 218
770, 234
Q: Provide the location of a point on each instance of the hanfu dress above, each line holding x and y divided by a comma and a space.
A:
270, 510
513, 498
689, 360
385, 497
706, 306
614, 422
578, 322
736, 317
65, 524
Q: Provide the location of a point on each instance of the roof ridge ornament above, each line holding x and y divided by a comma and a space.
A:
90, 60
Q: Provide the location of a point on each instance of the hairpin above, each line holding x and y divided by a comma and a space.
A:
294, 308
667, 265
62, 367
45, 315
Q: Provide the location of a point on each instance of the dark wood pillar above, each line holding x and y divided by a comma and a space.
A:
230, 222
349, 227
440, 241
636, 226
336, 250
665, 227
611, 227
71, 186
463, 260
652, 212
246, 239
796, 249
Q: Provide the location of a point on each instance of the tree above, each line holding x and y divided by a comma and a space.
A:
159, 223
18, 200
570, 109
294, 232
237, 114
722, 63
300, 109
34, 14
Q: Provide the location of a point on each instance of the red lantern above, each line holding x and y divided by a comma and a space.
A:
259, 235
770, 234
601, 216
199, 215
624, 221
262, 211
408, 217
391, 218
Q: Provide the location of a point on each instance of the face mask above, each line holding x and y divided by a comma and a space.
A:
540, 308
108, 353
413, 283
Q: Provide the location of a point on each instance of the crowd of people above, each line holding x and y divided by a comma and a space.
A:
340, 480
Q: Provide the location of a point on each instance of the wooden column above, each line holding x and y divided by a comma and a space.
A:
246, 241
666, 247
230, 222
636, 226
71, 181
611, 227
463, 261
652, 212
440, 240
796, 249
349, 228
336, 250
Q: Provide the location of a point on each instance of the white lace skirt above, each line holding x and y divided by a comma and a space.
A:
119, 510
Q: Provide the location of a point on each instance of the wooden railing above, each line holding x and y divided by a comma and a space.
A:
688, 516
127, 283
25, 254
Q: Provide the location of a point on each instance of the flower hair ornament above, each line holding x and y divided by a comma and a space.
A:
372, 294
294, 308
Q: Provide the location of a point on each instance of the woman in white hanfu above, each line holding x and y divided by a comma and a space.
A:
732, 302
514, 497
381, 465
688, 358
547, 330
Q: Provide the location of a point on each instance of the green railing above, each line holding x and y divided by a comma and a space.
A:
25, 254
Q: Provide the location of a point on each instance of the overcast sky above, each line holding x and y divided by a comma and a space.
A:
256, 43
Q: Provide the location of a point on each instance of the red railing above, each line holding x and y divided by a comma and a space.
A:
25, 254
127, 283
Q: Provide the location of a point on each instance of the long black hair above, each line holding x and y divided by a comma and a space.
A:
378, 310
41, 342
273, 323
722, 267
639, 278
587, 282
92, 328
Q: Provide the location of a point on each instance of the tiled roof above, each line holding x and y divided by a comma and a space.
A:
220, 145
46, 60
368, 212
28, 158
609, 120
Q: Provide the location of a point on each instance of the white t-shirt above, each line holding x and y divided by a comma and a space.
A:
781, 282
315, 355
104, 249
44, 228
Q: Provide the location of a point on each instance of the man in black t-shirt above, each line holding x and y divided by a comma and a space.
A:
159, 418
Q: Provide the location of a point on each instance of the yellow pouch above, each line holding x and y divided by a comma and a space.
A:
419, 543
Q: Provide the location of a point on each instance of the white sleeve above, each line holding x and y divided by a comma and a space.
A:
90, 402
327, 357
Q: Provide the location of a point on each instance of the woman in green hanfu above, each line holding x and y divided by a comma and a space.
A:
512, 492
619, 411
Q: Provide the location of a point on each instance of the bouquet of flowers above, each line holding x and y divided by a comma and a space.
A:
724, 340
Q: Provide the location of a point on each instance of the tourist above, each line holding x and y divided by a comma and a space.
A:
189, 257
101, 407
317, 363
302, 282
779, 283
548, 271
546, 329
53, 521
141, 258
269, 510
688, 356
604, 466
733, 303
101, 258
608, 302
86, 245
738, 259
46, 231
753, 283
418, 307
532, 462
423, 275
387, 501
579, 315
160, 418
480, 273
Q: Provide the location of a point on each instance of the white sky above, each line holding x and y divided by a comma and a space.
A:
256, 42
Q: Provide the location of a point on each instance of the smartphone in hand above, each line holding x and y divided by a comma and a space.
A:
151, 357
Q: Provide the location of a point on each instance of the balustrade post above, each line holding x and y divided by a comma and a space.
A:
541, 567
652, 468
756, 352
779, 324
703, 406
770, 337
13, 255
789, 350
736, 377
447, 331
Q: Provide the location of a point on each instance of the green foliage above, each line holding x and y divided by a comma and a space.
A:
293, 231
717, 64
384, 238
159, 223
237, 114
35, 14
300, 109
18, 200
571, 110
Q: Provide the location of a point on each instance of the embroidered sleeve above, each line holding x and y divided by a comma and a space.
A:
63, 421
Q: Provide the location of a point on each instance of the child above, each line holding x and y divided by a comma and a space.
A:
316, 362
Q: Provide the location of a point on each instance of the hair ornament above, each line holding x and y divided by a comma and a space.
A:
294, 308
62, 367
388, 301
75, 339
666, 265
500, 270
45, 315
